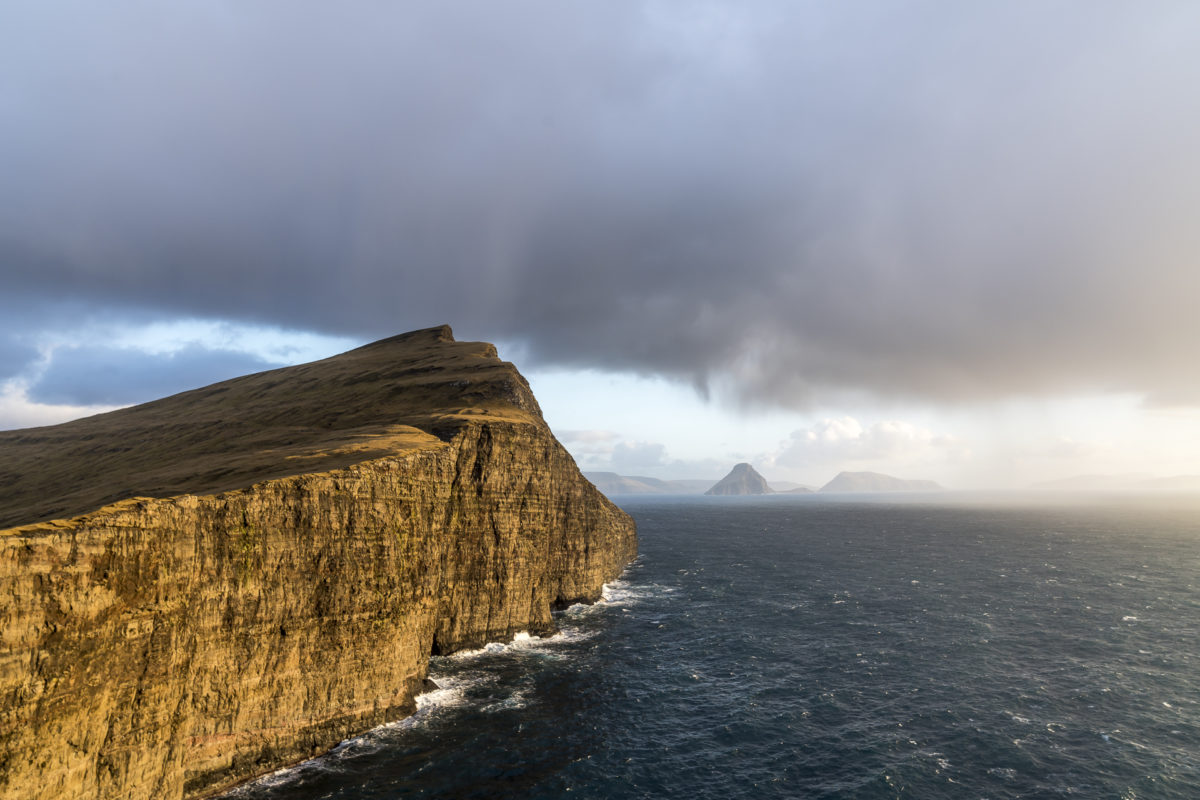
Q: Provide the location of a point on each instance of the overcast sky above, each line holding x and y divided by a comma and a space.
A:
951, 237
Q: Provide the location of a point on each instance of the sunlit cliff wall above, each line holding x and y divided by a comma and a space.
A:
171, 646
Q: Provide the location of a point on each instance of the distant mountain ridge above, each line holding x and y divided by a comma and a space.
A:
612, 483
745, 480
876, 482
789, 487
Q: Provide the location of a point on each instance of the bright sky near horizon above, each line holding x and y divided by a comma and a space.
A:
944, 241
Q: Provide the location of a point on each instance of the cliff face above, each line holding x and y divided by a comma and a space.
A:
167, 647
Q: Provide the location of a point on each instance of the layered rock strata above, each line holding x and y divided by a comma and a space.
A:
171, 643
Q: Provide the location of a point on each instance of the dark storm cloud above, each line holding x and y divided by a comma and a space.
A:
100, 375
936, 200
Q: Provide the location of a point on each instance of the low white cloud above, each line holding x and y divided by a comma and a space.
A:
589, 438
627, 456
17, 410
606, 450
592, 449
1067, 448
609, 451
267, 343
846, 441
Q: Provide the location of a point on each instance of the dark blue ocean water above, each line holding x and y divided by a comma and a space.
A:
803, 647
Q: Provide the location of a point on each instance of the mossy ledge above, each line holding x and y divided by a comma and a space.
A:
205, 588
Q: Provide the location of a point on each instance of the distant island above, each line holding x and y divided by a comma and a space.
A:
742, 479
612, 483
876, 482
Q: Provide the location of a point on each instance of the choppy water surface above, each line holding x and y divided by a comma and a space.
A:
811, 648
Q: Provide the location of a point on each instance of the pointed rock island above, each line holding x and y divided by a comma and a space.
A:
742, 479
205, 588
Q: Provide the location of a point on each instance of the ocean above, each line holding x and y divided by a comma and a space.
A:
818, 647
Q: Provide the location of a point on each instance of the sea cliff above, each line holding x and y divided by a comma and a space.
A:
348, 518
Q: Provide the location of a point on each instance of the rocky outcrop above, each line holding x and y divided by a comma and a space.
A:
876, 482
742, 479
400, 500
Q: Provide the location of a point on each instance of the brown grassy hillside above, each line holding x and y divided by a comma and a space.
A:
406, 392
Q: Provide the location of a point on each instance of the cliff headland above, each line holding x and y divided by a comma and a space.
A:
210, 586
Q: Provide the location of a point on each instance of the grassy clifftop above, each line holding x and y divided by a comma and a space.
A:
406, 392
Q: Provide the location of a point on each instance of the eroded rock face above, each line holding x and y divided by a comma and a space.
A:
171, 647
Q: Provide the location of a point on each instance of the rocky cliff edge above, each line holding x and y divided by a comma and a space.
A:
205, 588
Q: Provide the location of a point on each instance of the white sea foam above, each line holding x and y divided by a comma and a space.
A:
519, 641
522, 642
621, 592
938, 758
451, 692
279, 777
516, 700
358, 746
